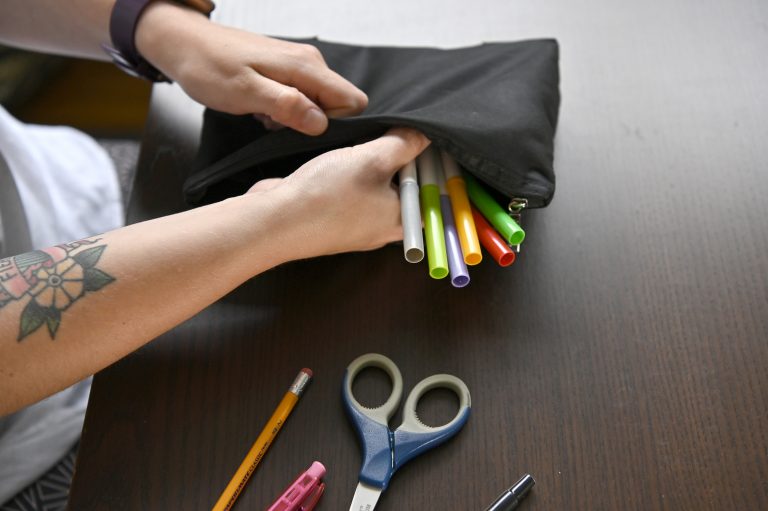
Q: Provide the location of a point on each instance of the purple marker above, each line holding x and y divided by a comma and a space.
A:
456, 264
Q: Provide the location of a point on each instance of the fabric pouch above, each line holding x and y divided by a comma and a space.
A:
493, 107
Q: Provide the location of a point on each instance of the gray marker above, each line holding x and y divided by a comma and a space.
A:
410, 212
509, 500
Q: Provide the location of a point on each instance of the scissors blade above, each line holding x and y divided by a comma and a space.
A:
365, 498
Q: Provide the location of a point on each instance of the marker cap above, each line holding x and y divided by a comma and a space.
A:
304, 492
408, 173
410, 214
491, 240
437, 258
450, 167
427, 164
500, 219
510, 499
456, 264
439, 174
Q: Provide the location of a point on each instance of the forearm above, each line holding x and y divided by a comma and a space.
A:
139, 281
223, 68
71, 310
71, 27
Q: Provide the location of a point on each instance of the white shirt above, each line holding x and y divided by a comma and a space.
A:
69, 190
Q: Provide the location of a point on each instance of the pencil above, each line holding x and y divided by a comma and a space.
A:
260, 446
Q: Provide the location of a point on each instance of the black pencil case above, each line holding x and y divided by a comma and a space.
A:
493, 107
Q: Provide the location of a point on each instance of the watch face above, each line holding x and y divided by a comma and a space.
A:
204, 6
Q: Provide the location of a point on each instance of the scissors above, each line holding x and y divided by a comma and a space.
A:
384, 451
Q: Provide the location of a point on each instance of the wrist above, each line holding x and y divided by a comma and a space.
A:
269, 226
165, 30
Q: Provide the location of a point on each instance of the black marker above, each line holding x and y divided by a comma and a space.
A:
509, 500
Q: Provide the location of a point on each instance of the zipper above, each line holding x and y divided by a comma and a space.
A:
515, 207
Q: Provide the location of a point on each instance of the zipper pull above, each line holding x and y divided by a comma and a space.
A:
515, 208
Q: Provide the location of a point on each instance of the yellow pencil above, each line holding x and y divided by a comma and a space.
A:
260, 446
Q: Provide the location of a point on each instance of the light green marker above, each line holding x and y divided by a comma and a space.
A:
429, 193
500, 219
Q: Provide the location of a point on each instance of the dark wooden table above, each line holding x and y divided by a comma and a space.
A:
622, 360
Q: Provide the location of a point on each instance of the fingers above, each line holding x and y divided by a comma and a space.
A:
334, 94
388, 153
302, 92
290, 106
287, 106
305, 69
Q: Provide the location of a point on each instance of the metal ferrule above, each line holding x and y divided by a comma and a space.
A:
300, 383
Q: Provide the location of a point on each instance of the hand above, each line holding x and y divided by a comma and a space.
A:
238, 72
344, 200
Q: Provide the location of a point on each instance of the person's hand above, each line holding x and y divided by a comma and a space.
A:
344, 200
238, 72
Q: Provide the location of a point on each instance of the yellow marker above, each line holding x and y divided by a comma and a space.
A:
260, 446
462, 213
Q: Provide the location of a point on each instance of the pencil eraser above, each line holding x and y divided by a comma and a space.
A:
308, 371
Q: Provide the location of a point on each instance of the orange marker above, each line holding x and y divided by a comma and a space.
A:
260, 446
462, 214
491, 240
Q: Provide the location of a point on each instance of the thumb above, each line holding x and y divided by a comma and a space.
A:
264, 185
388, 153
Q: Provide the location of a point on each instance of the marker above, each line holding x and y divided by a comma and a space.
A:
491, 240
509, 500
410, 213
305, 491
462, 214
262, 443
500, 219
433, 219
458, 269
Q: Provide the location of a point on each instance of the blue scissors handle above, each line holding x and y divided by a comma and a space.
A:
385, 451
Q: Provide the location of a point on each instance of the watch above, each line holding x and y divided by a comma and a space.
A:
122, 29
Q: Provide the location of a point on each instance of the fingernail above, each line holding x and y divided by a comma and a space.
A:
315, 120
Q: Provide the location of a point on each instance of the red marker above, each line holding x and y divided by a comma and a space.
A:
491, 240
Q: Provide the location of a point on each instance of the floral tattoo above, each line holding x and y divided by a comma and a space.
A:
52, 279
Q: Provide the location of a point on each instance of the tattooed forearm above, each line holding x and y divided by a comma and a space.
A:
50, 281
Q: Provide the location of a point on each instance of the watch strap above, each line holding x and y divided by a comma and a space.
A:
122, 30
204, 6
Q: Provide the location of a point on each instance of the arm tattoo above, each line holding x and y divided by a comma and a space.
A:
51, 280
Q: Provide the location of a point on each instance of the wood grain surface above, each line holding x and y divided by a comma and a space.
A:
621, 360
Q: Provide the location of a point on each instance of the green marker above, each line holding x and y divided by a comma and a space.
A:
429, 193
500, 219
